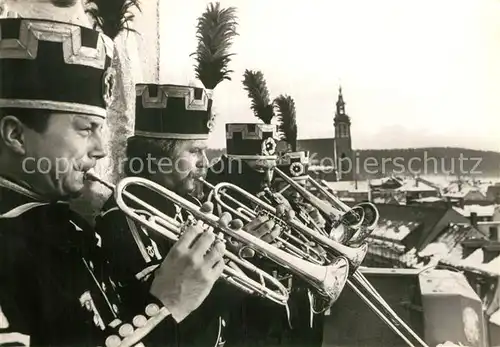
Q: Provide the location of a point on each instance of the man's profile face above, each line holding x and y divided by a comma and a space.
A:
189, 164
264, 166
57, 158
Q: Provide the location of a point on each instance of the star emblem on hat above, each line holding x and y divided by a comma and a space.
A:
296, 169
269, 146
108, 83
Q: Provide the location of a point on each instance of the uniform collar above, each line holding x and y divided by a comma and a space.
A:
51, 222
14, 195
21, 188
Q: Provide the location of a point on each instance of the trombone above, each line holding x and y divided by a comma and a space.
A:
329, 280
357, 281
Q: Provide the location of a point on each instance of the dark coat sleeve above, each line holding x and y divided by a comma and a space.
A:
135, 274
19, 312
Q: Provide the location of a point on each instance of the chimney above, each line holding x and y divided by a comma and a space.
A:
491, 250
493, 233
369, 191
469, 246
473, 219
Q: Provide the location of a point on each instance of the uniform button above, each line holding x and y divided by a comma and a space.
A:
126, 330
139, 321
113, 341
152, 309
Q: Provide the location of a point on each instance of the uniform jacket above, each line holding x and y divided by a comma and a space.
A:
55, 289
136, 252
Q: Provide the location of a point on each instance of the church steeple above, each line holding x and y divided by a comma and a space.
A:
340, 114
342, 142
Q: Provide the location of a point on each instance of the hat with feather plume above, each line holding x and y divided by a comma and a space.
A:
293, 163
254, 140
170, 111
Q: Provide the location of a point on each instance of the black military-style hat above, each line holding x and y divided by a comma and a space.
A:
55, 66
294, 164
251, 141
168, 111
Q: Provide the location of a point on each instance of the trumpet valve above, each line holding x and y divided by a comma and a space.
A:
113, 341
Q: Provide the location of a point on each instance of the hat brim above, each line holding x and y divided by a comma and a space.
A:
56, 106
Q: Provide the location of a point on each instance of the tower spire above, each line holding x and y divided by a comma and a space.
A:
340, 104
343, 152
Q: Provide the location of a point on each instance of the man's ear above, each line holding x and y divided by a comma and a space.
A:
12, 133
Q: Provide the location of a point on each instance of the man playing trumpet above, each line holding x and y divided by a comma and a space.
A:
249, 162
168, 147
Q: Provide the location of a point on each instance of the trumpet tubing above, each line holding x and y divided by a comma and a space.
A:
335, 216
365, 214
246, 214
371, 214
327, 280
354, 255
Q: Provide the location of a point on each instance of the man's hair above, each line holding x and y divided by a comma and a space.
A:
139, 148
35, 119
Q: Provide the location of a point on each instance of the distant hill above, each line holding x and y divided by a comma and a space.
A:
424, 161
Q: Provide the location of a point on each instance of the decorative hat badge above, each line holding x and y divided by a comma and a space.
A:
111, 17
108, 85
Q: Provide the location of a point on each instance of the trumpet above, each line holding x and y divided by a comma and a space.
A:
245, 213
355, 256
329, 280
349, 225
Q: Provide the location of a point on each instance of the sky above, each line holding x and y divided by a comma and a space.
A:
414, 73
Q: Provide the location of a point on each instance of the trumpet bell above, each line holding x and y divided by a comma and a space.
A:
348, 224
370, 222
336, 276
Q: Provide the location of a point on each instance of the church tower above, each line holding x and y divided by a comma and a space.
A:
343, 154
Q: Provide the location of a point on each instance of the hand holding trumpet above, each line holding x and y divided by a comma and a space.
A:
263, 227
190, 269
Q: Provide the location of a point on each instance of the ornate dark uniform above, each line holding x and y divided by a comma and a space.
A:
307, 326
262, 322
55, 285
255, 321
136, 252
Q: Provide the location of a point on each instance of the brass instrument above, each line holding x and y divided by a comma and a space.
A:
354, 255
357, 281
295, 244
328, 280
350, 225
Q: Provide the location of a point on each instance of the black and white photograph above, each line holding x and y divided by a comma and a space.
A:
239, 173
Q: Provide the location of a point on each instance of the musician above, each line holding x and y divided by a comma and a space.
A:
307, 326
249, 163
295, 165
56, 289
168, 147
